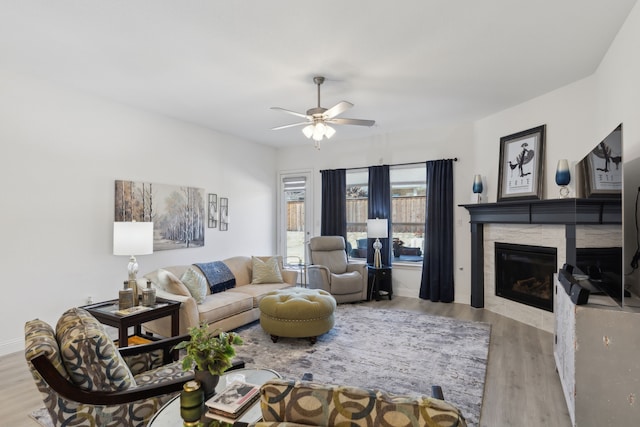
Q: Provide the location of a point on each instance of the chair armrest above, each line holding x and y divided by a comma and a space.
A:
166, 345
360, 267
319, 277
70, 391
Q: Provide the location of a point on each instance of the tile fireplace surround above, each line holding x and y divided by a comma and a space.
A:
565, 224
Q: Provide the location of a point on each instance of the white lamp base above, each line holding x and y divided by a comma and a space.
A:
132, 268
476, 198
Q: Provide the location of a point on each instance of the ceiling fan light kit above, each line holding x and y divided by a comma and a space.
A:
318, 118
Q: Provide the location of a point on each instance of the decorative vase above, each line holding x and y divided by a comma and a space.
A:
208, 382
563, 177
477, 187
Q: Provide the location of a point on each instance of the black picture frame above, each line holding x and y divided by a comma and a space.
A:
601, 167
213, 211
224, 214
520, 175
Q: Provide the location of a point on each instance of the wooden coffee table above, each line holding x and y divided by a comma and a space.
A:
106, 313
169, 414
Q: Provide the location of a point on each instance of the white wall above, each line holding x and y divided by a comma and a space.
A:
577, 117
618, 92
62, 152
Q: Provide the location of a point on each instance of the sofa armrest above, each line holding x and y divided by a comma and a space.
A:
188, 309
289, 276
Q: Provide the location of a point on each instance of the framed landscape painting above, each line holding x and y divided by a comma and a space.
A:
521, 163
177, 212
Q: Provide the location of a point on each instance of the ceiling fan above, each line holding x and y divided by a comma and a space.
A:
318, 119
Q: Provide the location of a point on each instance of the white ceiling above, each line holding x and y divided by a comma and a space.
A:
408, 64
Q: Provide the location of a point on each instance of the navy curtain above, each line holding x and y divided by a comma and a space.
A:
380, 207
334, 203
437, 265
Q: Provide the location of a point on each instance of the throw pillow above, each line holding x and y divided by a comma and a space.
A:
266, 271
170, 283
196, 283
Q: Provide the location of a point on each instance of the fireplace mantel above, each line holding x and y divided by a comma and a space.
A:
551, 211
570, 212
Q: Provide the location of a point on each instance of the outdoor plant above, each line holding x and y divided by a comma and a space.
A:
209, 351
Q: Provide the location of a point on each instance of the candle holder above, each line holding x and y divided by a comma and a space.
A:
563, 177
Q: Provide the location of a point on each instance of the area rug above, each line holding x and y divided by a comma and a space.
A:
397, 351
42, 417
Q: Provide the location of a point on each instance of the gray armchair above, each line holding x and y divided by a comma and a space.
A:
331, 271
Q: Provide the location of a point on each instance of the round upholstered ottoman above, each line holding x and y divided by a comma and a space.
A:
297, 313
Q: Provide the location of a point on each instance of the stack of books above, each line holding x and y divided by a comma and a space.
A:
231, 403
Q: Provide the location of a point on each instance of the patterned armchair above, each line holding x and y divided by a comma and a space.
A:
299, 403
85, 380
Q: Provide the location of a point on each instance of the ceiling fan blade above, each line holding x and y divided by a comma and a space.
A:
290, 126
290, 112
358, 122
339, 108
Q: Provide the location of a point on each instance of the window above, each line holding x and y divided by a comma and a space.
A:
357, 205
408, 199
408, 205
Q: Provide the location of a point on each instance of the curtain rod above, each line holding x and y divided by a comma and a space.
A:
455, 159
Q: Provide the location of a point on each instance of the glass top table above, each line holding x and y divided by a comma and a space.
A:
169, 414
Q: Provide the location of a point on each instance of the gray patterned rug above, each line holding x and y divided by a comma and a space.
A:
396, 351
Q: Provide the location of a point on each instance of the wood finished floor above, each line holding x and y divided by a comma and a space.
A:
522, 388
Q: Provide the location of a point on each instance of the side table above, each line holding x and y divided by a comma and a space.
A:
379, 282
106, 313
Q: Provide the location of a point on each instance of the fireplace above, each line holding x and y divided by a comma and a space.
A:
525, 274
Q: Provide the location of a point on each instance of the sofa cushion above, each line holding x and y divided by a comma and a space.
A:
258, 291
89, 355
219, 276
196, 283
265, 271
222, 305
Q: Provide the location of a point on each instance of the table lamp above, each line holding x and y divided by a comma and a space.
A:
377, 229
132, 238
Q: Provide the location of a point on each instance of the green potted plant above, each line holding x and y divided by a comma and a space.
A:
209, 354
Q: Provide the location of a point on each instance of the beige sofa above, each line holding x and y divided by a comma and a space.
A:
225, 310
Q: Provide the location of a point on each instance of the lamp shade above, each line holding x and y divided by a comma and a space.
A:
132, 238
377, 228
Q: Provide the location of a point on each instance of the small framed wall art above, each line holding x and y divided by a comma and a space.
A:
213, 211
521, 162
224, 214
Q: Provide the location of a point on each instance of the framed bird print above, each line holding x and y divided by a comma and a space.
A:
521, 162
602, 167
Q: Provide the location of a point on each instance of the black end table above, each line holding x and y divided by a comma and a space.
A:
379, 282
106, 313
